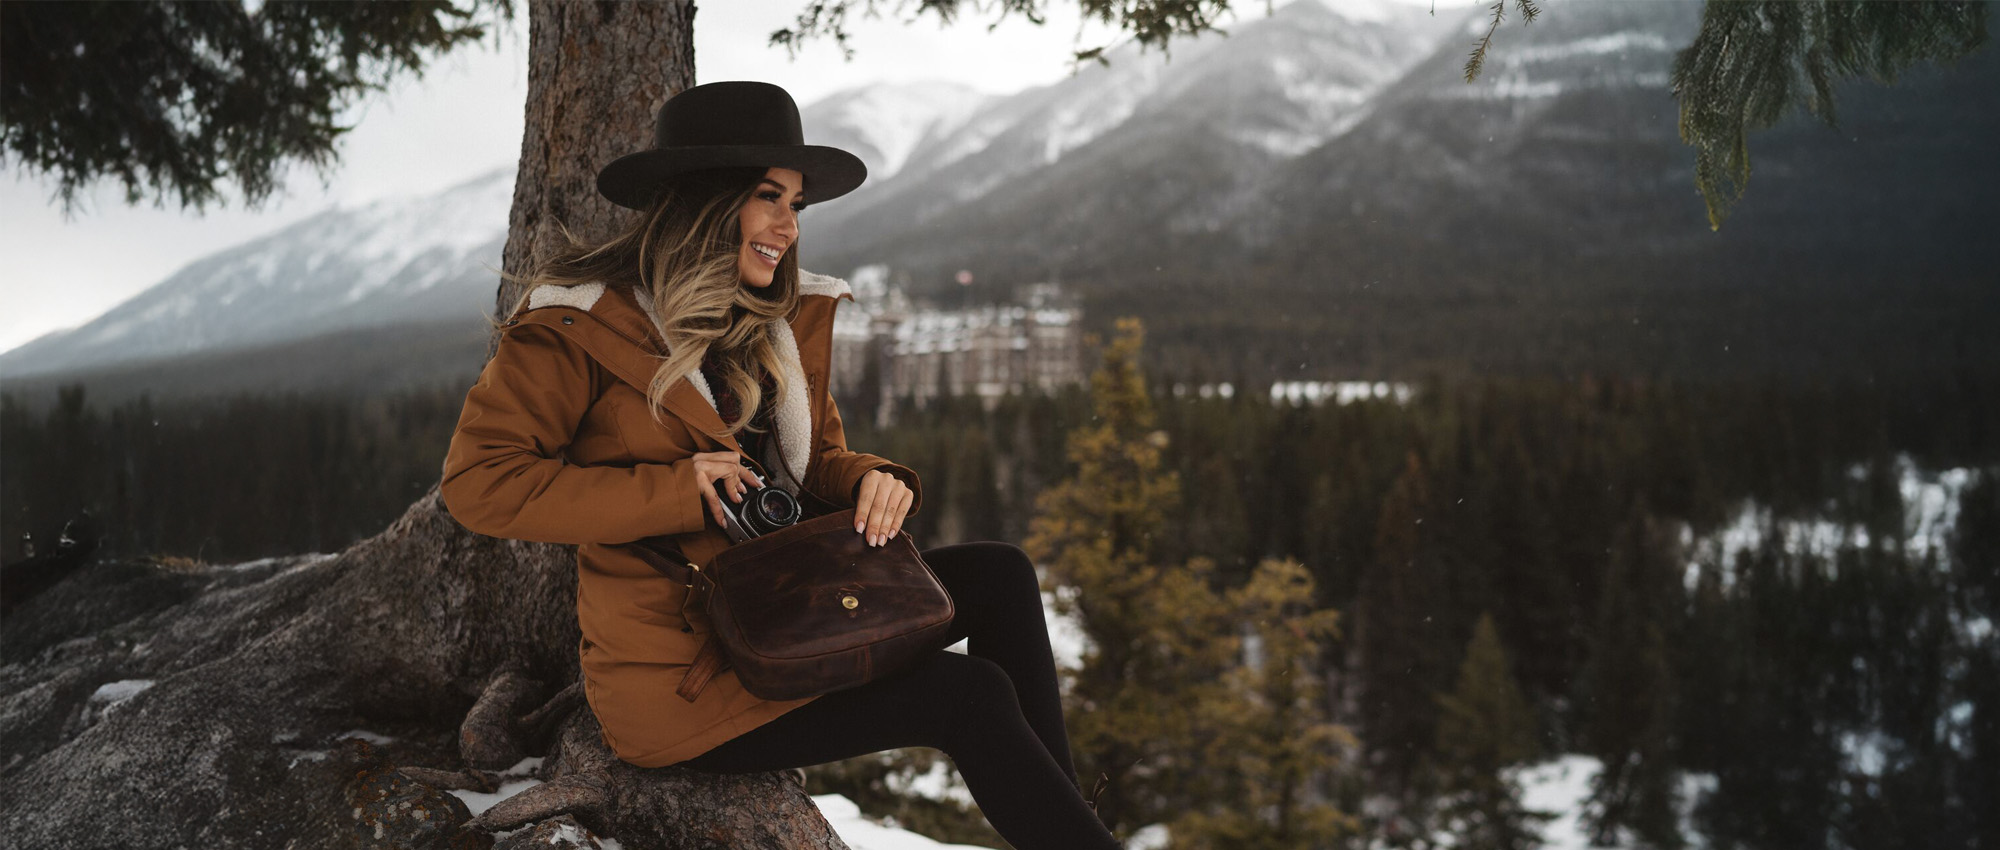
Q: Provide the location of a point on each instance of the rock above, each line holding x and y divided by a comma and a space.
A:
394, 812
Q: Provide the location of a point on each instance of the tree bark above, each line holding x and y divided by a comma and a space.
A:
597, 75
241, 687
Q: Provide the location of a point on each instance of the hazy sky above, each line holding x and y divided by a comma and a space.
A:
464, 118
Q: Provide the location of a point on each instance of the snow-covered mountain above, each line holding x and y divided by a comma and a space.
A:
886, 124
393, 261
1330, 166
1274, 87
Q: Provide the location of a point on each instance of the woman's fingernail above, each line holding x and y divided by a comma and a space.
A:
860, 528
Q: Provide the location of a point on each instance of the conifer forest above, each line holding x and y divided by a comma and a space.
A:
1763, 608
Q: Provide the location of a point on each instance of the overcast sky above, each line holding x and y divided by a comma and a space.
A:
464, 118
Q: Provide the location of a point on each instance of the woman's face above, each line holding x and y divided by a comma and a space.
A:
770, 224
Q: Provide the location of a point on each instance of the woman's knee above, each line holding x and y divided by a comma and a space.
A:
999, 566
971, 686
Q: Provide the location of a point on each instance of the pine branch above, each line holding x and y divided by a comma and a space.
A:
1754, 59
1477, 61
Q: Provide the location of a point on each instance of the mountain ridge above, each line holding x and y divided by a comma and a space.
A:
1364, 211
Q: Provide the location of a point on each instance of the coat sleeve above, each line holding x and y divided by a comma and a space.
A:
838, 475
506, 475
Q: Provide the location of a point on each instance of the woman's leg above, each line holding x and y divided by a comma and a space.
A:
998, 601
963, 705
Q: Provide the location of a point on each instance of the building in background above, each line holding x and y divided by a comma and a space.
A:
885, 348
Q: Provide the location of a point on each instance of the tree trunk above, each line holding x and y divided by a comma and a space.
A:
240, 689
597, 75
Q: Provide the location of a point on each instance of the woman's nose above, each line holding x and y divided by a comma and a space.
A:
788, 223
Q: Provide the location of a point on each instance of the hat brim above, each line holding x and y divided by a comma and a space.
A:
631, 180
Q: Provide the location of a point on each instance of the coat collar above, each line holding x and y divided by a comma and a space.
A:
691, 398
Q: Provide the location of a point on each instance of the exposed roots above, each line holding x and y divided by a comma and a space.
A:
490, 738
585, 794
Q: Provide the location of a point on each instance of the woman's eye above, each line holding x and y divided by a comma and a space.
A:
799, 207
769, 196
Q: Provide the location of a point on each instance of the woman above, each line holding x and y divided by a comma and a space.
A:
626, 388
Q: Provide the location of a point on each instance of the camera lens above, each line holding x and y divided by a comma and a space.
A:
776, 508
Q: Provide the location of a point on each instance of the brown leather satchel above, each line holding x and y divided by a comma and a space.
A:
810, 609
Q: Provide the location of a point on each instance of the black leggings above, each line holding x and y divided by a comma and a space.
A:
995, 712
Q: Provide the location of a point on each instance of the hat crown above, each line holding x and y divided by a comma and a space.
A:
729, 113
735, 124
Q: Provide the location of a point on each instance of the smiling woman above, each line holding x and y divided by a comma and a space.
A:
770, 224
641, 382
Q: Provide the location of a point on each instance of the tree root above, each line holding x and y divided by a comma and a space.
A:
454, 780
538, 727
488, 738
586, 793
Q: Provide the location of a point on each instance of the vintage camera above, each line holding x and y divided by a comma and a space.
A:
762, 511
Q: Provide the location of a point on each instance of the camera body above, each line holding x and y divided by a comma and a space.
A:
762, 511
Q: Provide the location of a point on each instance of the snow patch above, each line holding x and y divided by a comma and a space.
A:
376, 738
896, 119
860, 833
1066, 636
479, 802
1866, 752
113, 693
1617, 42
1365, 11
1930, 518
514, 780
1562, 788
1149, 837
938, 783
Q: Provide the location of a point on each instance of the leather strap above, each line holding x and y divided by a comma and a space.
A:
665, 558
707, 662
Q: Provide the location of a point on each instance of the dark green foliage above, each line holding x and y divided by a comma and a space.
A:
1153, 23
1404, 630
1756, 59
1835, 695
1160, 638
174, 99
1628, 688
222, 480
1486, 725
1274, 741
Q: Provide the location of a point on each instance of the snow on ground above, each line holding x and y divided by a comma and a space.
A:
1065, 636
112, 693
1562, 787
1930, 518
376, 738
861, 833
858, 831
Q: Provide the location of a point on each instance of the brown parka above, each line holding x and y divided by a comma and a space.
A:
557, 444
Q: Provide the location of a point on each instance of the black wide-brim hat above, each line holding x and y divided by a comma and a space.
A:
729, 125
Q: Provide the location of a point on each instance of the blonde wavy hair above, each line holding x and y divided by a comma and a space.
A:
683, 252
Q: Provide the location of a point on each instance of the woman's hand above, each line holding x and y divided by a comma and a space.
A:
723, 468
880, 503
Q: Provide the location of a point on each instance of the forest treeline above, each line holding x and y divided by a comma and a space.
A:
1521, 568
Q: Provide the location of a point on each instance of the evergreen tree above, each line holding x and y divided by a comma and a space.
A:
1752, 61
1630, 686
1405, 654
1158, 639
1273, 741
1485, 725
175, 98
